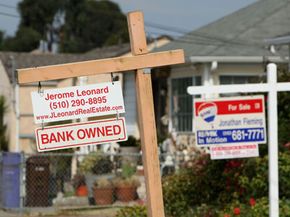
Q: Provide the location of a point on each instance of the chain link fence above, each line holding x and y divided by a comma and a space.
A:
72, 183
60, 180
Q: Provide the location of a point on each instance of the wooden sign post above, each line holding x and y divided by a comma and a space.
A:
139, 61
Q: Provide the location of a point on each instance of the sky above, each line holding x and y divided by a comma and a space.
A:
171, 17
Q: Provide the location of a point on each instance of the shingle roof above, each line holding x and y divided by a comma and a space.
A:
27, 60
241, 33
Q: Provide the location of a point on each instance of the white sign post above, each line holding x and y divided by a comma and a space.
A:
272, 87
77, 102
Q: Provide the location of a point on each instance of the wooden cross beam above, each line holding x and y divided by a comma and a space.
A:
103, 66
137, 62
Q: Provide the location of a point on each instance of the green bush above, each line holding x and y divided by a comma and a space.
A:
177, 192
192, 186
284, 175
96, 163
258, 208
225, 185
207, 183
134, 211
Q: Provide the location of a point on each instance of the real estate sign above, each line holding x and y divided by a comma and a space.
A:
229, 120
80, 134
77, 102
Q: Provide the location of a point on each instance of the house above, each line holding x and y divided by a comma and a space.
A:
20, 115
232, 50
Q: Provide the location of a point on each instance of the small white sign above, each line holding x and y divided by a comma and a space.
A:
229, 120
80, 134
77, 102
234, 151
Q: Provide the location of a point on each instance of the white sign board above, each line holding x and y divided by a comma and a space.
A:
234, 151
229, 120
80, 134
77, 102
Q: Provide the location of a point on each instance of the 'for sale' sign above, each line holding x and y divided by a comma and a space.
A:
229, 120
80, 134
77, 102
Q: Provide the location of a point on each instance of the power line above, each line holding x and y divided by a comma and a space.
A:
165, 27
201, 41
7, 6
199, 36
195, 36
9, 15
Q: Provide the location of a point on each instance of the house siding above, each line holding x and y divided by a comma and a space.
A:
6, 90
129, 92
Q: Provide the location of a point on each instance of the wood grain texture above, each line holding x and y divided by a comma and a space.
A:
103, 66
138, 62
150, 158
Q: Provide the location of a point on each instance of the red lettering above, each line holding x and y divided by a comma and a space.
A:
109, 131
101, 131
90, 132
44, 138
60, 136
52, 138
116, 129
79, 135
69, 136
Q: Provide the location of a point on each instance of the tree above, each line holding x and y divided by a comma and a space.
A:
26, 39
87, 24
34, 19
1, 39
3, 127
38, 14
90, 24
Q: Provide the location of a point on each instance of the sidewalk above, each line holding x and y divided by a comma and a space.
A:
68, 212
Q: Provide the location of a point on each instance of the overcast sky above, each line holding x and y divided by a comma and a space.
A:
174, 15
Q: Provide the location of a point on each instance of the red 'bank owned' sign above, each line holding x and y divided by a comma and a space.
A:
77, 102
80, 134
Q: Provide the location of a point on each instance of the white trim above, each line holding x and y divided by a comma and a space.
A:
169, 85
278, 40
237, 59
238, 88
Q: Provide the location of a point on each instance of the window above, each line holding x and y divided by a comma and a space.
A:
181, 103
240, 79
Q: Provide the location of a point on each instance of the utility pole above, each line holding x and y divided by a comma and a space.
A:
15, 103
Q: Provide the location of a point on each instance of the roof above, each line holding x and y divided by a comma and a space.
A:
27, 60
242, 33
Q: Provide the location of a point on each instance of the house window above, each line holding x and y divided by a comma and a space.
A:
240, 79
181, 103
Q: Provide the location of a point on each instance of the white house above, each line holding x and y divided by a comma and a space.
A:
232, 50
21, 129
